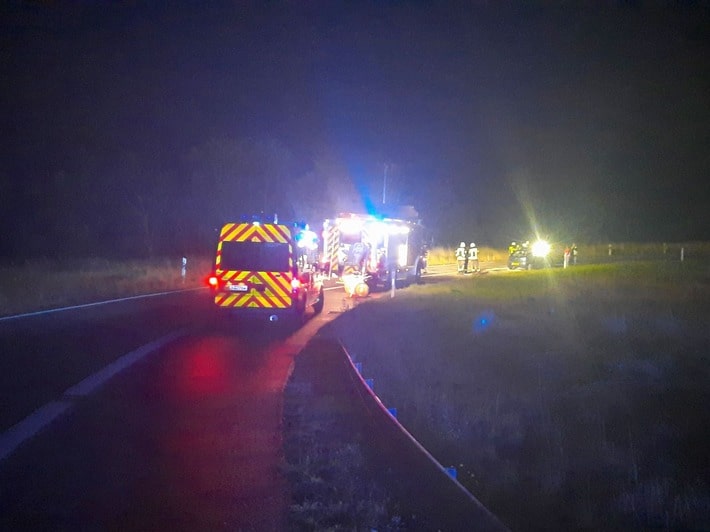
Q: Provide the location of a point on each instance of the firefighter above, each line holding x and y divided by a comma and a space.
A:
472, 265
512, 248
461, 258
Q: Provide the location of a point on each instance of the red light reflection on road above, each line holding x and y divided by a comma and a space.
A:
220, 433
204, 370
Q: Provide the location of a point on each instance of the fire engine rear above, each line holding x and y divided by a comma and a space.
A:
379, 249
267, 269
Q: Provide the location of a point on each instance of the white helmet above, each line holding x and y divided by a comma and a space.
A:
462, 245
473, 244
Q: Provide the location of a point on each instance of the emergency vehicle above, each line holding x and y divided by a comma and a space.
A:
267, 269
380, 249
526, 257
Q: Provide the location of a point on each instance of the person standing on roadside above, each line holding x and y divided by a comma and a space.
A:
472, 265
461, 258
566, 257
574, 254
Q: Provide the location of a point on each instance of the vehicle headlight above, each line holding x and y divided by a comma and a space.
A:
541, 248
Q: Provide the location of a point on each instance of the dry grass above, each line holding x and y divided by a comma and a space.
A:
565, 398
48, 284
328, 493
333, 486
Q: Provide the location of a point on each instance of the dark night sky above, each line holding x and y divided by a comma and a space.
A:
146, 124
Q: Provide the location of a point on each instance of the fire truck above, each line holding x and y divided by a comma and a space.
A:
379, 249
267, 269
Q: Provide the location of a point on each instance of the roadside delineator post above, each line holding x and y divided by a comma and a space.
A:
682, 254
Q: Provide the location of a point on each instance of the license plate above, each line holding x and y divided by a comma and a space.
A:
237, 288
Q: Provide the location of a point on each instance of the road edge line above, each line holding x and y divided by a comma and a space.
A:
98, 303
23, 430
95, 381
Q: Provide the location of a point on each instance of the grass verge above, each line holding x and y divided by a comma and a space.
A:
333, 484
45, 284
565, 398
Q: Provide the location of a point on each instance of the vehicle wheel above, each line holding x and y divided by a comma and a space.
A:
399, 283
318, 305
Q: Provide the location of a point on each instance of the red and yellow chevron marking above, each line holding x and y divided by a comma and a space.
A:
256, 232
246, 232
333, 246
266, 290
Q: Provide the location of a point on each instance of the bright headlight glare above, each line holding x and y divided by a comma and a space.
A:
540, 249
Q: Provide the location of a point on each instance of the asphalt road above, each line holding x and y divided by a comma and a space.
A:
147, 414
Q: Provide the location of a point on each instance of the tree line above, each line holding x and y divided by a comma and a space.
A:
142, 206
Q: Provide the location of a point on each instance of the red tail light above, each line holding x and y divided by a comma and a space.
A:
212, 281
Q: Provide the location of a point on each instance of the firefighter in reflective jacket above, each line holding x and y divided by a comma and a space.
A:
472, 264
461, 257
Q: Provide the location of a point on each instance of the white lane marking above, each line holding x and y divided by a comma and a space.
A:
97, 303
13, 437
95, 381
16, 435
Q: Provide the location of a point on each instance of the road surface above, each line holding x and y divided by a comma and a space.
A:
144, 415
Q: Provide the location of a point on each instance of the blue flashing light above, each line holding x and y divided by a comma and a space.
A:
307, 239
483, 322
